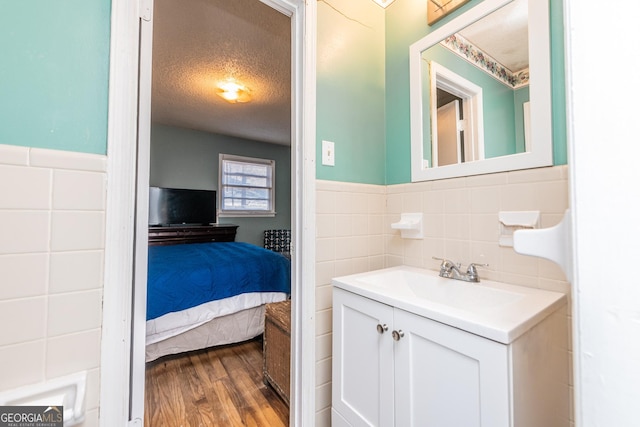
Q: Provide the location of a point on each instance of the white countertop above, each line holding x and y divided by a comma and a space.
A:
494, 310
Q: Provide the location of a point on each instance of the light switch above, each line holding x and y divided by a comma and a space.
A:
328, 153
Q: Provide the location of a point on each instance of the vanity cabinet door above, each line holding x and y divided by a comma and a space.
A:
446, 377
362, 374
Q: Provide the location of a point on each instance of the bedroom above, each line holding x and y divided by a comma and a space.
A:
194, 49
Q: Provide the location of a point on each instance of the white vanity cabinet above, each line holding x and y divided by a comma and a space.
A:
448, 377
392, 367
433, 375
362, 369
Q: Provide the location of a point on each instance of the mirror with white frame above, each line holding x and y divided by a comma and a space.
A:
498, 115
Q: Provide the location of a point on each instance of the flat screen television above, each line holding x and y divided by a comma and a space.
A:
179, 206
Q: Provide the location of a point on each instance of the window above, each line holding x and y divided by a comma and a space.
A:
246, 186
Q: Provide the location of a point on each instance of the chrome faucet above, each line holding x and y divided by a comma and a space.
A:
451, 270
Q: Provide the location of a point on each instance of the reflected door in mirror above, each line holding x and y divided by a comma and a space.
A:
450, 148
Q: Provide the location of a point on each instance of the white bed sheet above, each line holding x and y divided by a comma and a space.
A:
233, 328
172, 324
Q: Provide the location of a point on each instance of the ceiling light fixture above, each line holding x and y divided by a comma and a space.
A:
383, 3
233, 92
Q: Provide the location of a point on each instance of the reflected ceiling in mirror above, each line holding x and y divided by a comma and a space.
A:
504, 36
486, 58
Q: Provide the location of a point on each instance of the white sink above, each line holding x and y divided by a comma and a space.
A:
494, 310
454, 293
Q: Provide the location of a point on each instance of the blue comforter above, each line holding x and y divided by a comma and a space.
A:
184, 276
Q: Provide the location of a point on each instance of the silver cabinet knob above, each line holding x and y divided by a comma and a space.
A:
382, 328
397, 334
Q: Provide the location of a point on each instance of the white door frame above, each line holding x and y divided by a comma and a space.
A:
472, 104
604, 200
119, 406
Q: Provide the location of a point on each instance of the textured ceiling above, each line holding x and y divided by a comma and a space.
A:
198, 43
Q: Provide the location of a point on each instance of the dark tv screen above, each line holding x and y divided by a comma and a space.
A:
177, 206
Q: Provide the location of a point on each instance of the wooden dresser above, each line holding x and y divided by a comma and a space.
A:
174, 235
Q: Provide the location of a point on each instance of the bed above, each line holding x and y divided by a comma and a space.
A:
206, 294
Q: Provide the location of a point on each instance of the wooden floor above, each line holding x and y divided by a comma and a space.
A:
217, 387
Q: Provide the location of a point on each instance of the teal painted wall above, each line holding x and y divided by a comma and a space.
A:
54, 81
558, 99
54, 74
406, 23
185, 158
351, 90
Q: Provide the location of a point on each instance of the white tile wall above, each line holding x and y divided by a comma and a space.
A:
51, 267
349, 239
75, 271
461, 223
28, 273
71, 353
29, 314
24, 231
22, 364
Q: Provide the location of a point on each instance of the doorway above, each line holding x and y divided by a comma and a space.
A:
456, 105
198, 48
122, 379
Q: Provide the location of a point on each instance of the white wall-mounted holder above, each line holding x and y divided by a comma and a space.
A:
552, 243
410, 226
68, 391
511, 221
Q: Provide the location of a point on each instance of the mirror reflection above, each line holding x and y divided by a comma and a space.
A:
480, 92
479, 73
